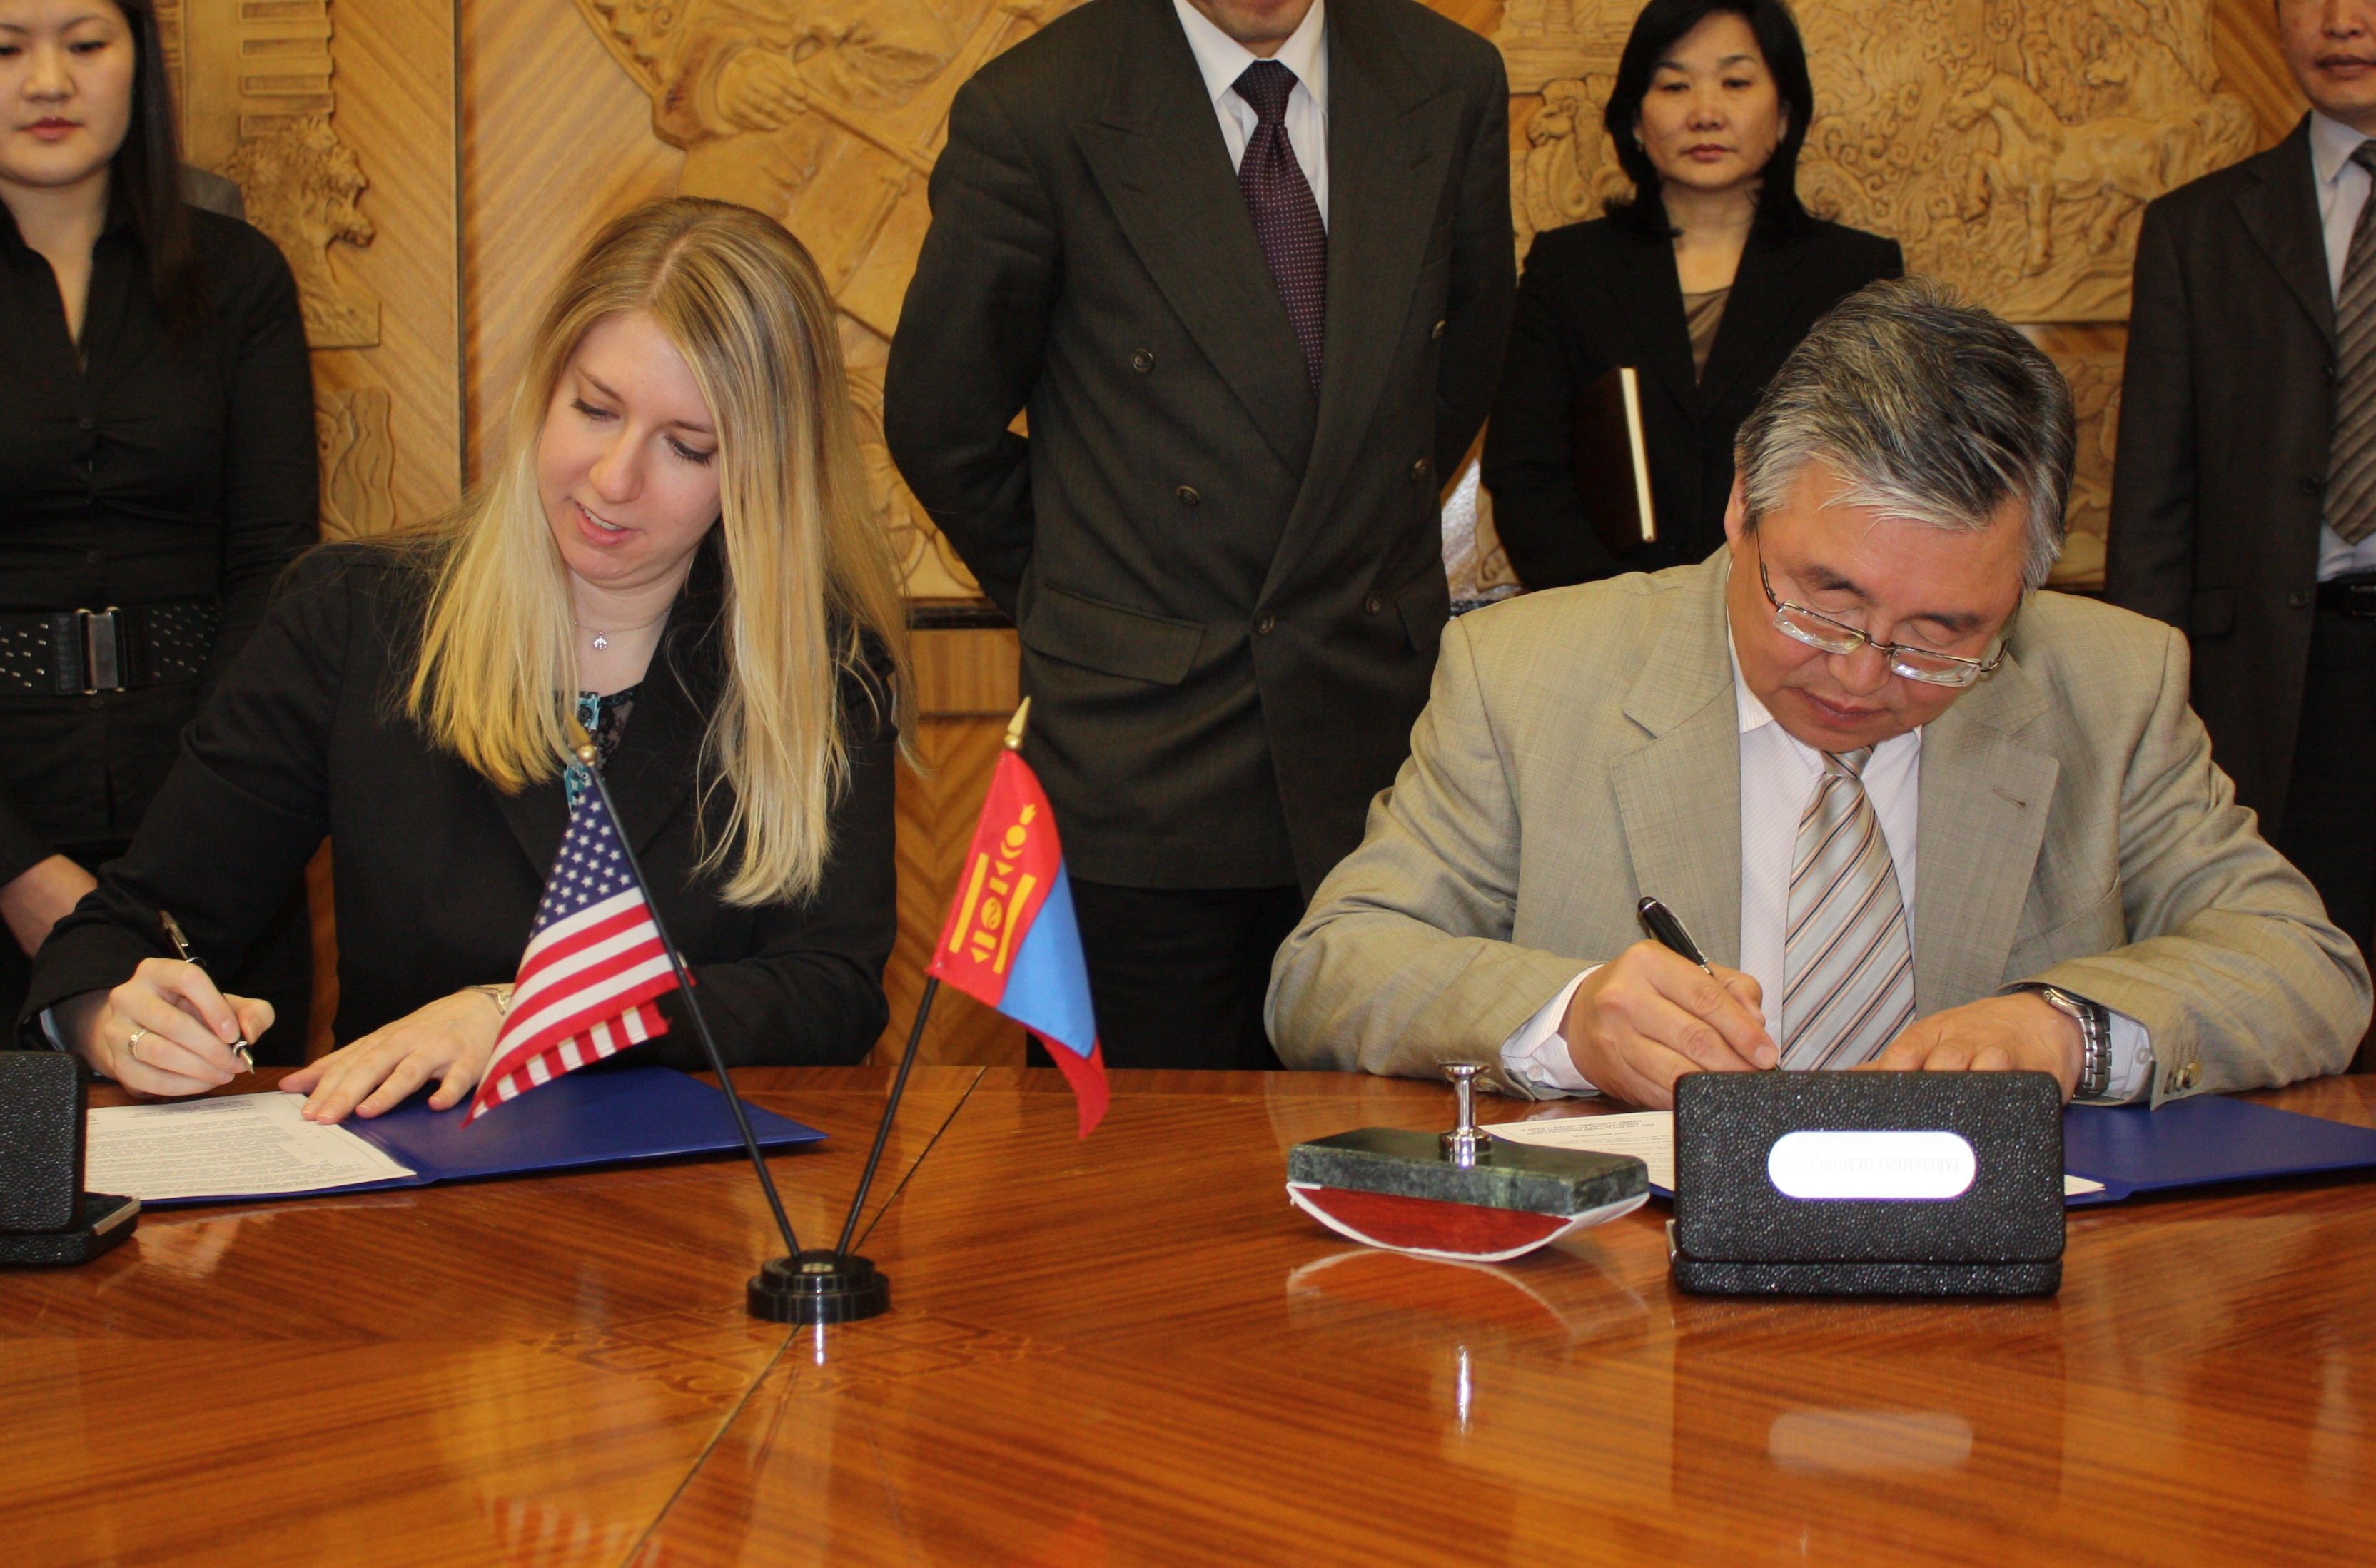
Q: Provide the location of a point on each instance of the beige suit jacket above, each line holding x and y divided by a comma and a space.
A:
1581, 749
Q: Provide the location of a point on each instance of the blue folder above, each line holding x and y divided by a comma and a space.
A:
2196, 1142
580, 1119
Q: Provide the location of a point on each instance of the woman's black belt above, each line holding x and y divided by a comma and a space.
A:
79, 652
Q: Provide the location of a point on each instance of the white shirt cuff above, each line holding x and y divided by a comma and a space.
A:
1537, 1054
2132, 1062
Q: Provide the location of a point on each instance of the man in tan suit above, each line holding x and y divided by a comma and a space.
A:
1916, 815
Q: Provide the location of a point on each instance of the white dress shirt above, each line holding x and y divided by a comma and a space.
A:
2342, 188
1223, 60
1778, 775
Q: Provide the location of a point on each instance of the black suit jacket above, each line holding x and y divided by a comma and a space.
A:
1229, 592
1600, 294
438, 874
2227, 408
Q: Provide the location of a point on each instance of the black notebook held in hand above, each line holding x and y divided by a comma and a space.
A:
1868, 1185
1610, 462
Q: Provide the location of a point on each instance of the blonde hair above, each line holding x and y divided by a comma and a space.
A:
808, 572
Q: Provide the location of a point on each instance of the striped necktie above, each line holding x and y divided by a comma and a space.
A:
2351, 456
1847, 966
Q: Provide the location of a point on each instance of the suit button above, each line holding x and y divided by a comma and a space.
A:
1436, 333
2299, 599
2188, 1075
1143, 361
94, 556
1373, 604
2332, 373
85, 422
1419, 471
1262, 627
1188, 496
2311, 484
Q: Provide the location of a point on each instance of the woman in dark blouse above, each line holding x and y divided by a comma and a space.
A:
1703, 283
157, 452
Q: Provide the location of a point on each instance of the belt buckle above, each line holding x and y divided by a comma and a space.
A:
103, 649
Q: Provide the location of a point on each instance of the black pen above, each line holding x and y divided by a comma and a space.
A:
1670, 932
182, 951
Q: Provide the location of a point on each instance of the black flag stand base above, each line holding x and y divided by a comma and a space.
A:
836, 1285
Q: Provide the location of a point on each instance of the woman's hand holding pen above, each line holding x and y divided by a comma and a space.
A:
450, 1040
165, 1032
1649, 1015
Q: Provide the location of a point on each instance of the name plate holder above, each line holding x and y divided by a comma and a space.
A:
1868, 1185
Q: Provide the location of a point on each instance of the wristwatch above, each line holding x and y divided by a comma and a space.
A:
2094, 1021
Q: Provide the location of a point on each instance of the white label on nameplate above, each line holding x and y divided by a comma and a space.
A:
1871, 1165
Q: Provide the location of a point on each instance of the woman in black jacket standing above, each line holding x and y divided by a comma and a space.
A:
157, 452
1703, 283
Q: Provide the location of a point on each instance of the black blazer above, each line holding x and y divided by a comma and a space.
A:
1600, 294
155, 469
2227, 408
1229, 592
438, 874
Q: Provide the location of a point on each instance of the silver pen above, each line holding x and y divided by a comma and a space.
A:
245, 1047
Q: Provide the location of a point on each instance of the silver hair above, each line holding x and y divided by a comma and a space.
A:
1931, 409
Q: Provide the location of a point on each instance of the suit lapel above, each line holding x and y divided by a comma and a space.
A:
1389, 147
1758, 305
1679, 794
1157, 154
1984, 802
537, 816
2281, 214
1662, 336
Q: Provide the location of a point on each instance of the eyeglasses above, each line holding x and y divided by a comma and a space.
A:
1797, 621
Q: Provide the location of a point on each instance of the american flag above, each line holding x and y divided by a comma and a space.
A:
593, 968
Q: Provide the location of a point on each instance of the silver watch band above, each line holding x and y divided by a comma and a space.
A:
2095, 1023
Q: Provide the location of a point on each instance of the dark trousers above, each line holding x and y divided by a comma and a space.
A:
2330, 820
1178, 974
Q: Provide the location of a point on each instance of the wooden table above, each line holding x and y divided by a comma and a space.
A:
1132, 1351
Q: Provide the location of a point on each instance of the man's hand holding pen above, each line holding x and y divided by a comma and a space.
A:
1649, 1015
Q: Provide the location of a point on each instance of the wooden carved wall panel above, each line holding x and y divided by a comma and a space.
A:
829, 117
294, 102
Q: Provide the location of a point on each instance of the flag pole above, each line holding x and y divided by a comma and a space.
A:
1015, 729
582, 745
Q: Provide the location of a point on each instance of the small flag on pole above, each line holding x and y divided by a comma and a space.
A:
1012, 940
594, 968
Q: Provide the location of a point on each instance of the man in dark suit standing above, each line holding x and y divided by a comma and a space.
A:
1246, 266
2244, 495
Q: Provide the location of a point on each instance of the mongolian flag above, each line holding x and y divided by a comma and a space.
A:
1012, 940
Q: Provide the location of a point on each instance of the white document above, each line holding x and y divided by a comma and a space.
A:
237, 1147
1649, 1136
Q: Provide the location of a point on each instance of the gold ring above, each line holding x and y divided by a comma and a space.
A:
132, 1044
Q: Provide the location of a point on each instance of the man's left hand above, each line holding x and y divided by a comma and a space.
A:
1999, 1034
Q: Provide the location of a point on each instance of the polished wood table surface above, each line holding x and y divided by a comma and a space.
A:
1132, 1350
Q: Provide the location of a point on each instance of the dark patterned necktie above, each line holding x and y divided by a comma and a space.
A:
1286, 220
2351, 458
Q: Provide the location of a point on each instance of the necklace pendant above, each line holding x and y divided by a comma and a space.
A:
600, 643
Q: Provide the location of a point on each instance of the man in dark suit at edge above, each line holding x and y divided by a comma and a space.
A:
1246, 265
2244, 494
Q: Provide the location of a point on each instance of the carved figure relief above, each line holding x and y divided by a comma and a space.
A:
351, 430
301, 185
259, 109
826, 113
2095, 378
